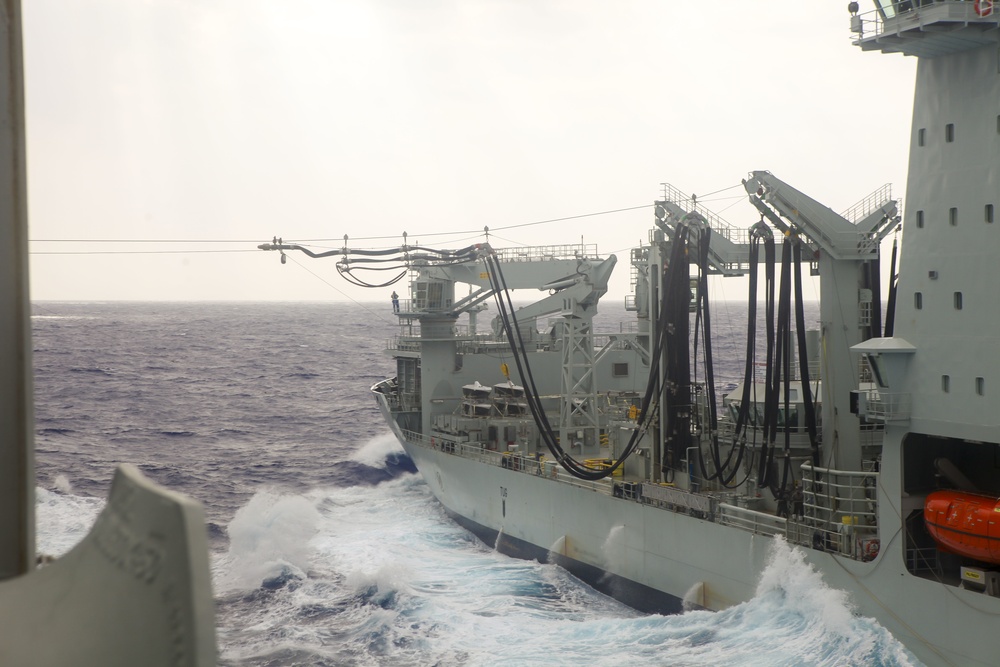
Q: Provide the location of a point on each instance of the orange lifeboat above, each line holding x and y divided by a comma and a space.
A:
964, 523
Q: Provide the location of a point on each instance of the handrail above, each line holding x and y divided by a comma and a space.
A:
846, 525
547, 252
873, 23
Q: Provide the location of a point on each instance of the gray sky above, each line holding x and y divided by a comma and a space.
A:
239, 120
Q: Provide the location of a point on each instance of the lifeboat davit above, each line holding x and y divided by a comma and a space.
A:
965, 523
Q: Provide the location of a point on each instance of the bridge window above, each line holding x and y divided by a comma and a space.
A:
619, 369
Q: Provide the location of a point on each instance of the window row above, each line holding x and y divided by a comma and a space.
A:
980, 385
949, 133
918, 299
988, 216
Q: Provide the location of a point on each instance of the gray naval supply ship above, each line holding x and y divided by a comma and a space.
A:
871, 446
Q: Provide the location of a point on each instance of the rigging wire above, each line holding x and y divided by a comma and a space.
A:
475, 233
132, 252
331, 286
709, 194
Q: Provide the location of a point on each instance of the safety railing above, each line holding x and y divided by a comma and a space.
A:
837, 512
876, 22
794, 531
672, 498
881, 406
718, 225
547, 252
760, 523
840, 505
528, 464
869, 204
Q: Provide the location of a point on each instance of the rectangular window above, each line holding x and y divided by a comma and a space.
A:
989, 213
953, 216
918, 300
921, 136
949, 132
920, 219
946, 383
619, 369
958, 301
981, 386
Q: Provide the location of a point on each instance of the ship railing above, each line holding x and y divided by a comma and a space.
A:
403, 344
922, 560
550, 469
764, 523
489, 342
465, 342
884, 406
869, 204
690, 203
840, 506
548, 252
614, 341
873, 23
628, 327
525, 463
673, 498
760, 523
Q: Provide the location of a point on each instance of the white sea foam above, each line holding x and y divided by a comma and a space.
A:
269, 536
63, 519
404, 585
398, 583
613, 549
374, 452
62, 484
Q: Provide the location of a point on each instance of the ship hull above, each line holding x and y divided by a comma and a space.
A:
662, 561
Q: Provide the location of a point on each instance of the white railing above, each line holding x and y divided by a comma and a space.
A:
547, 252
672, 497
837, 512
886, 407
874, 23
541, 466
869, 204
718, 225
750, 520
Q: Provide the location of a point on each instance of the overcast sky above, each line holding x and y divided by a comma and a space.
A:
240, 120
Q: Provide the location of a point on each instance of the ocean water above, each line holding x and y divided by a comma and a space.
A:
327, 548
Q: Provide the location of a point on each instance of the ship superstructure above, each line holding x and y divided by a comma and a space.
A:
870, 444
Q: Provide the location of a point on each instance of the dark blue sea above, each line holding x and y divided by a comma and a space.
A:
327, 547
